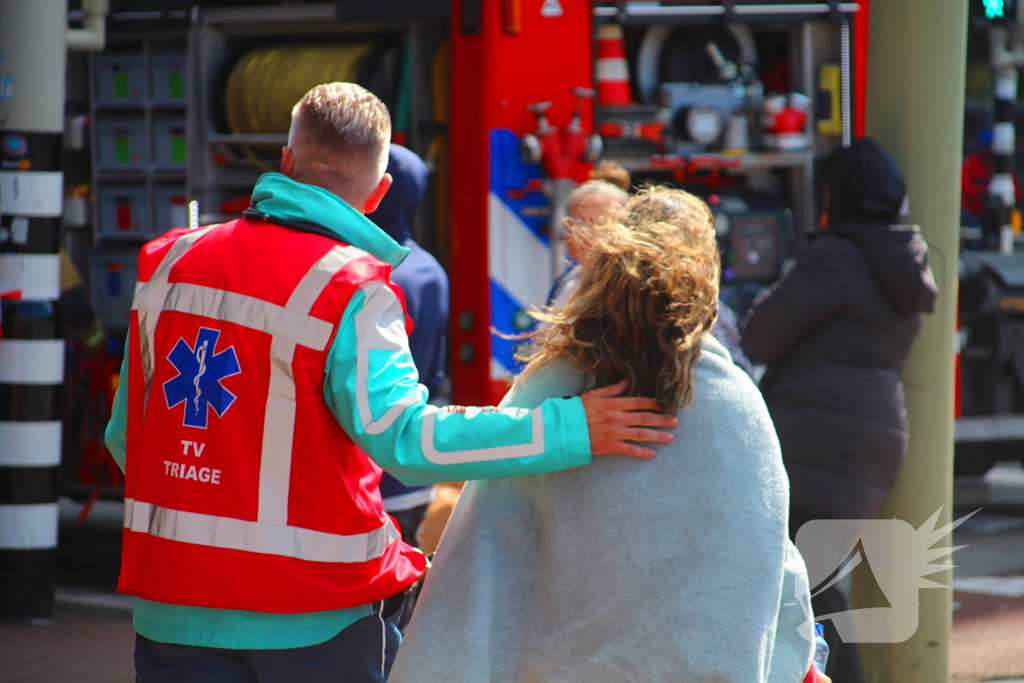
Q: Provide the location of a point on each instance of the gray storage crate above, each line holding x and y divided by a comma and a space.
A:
167, 76
123, 211
122, 144
114, 274
171, 209
169, 143
120, 79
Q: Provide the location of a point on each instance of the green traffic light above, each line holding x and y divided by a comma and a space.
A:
995, 9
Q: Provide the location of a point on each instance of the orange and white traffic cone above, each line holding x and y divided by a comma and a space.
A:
612, 70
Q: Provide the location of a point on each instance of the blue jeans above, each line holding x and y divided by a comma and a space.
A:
361, 653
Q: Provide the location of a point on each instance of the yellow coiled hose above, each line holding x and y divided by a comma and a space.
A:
267, 82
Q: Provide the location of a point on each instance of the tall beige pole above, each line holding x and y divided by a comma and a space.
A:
915, 105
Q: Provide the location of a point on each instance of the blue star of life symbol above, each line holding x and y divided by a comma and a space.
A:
200, 371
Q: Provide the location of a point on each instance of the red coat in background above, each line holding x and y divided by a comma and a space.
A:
976, 174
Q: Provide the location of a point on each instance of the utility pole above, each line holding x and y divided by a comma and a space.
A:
33, 49
915, 104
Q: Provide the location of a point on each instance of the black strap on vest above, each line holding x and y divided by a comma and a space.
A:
302, 226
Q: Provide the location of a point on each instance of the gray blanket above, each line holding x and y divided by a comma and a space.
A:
677, 569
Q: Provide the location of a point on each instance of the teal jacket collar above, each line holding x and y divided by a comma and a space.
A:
280, 196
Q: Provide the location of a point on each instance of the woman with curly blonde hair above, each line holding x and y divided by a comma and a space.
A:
674, 569
649, 293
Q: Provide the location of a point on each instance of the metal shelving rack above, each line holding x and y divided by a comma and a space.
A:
207, 38
814, 31
132, 116
214, 34
154, 112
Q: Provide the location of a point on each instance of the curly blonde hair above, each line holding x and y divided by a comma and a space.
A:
643, 302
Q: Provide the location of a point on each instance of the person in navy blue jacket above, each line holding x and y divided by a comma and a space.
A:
425, 285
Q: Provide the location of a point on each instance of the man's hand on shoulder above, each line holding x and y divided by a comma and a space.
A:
613, 422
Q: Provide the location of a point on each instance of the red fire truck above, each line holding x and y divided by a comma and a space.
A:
509, 101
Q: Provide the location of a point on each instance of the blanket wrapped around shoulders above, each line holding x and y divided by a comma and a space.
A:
677, 569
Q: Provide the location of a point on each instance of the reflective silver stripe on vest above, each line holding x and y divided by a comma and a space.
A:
148, 317
235, 308
380, 326
525, 450
279, 418
256, 537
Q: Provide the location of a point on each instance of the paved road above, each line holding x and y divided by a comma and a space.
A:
988, 617
92, 639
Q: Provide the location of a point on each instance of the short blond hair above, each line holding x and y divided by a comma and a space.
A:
342, 119
598, 187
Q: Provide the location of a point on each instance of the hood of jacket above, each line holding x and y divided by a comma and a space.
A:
865, 184
866, 195
899, 257
396, 214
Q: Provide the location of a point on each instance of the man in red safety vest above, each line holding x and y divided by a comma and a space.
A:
267, 382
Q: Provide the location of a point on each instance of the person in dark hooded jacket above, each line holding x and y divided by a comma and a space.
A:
425, 285
835, 333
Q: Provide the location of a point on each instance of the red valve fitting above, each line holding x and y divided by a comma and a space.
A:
561, 151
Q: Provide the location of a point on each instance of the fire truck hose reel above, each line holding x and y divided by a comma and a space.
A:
267, 82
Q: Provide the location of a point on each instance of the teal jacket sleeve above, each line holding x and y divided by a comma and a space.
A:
116, 434
372, 388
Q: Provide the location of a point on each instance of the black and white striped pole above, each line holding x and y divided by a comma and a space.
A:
998, 225
32, 62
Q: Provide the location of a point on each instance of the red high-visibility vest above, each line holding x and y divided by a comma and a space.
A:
242, 490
